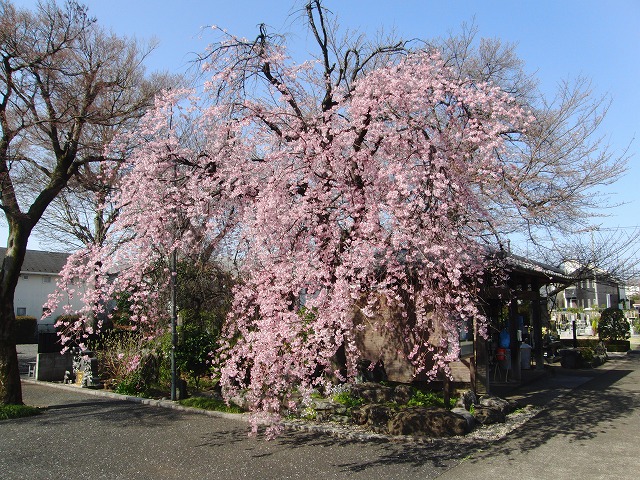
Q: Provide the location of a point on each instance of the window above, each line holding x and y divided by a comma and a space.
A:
46, 279
21, 311
26, 277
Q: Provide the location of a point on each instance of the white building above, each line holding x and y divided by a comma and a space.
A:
38, 277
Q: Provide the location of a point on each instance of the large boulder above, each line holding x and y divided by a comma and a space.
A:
503, 406
402, 393
428, 422
488, 415
374, 416
372, 392
469, 418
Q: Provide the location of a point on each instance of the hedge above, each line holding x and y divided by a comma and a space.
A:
26, 329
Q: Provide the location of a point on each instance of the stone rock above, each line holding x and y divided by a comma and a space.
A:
464, 413
338, 419
372, 392
430, 422
402, 393
374, 416
340, 410
466, 399
488, 415
324, 409
504, 406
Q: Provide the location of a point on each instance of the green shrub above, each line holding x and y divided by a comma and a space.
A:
193, 352
582, 342
130, 386
618, 345
613, 325
586, 355
26, 329
636, 326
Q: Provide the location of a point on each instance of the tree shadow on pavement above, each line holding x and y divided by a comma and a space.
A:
581, 415
438, 453
118, 413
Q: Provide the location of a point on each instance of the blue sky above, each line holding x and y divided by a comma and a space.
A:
557, 39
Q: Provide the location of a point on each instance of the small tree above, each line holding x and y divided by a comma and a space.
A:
613, 325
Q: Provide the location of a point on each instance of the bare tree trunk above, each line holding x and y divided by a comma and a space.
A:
10, 387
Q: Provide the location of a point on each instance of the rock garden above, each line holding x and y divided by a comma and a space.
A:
402, 410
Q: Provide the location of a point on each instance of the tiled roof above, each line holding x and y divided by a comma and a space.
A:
36, 261
531, 266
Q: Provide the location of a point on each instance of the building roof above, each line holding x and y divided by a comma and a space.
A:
550, 273
36, 261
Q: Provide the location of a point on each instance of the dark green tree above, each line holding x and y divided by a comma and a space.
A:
613, 325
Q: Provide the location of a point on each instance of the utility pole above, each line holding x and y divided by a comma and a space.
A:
593, 262
174, 321
173, 287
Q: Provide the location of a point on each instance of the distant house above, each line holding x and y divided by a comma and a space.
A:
601, 291
38, 277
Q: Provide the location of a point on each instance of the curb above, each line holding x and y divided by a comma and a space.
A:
242, 417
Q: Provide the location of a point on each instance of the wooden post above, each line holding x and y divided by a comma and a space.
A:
536, 317
515, 343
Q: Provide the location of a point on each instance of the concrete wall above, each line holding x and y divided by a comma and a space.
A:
377, 342
50, 367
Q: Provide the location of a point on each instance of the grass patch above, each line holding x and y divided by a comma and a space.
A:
429, 399
209, 403
348, 400
17, 411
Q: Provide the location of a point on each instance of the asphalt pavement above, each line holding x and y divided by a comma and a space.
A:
587, 430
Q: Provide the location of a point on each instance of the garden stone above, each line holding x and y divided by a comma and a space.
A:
375, 417
504, 406
464, 413
402, 393
488, 415
430, 422
372, 392
339, 419
466, 399
324, 409
340, 410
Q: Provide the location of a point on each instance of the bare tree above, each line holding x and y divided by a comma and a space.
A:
552, 198
62, 79
83, 212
